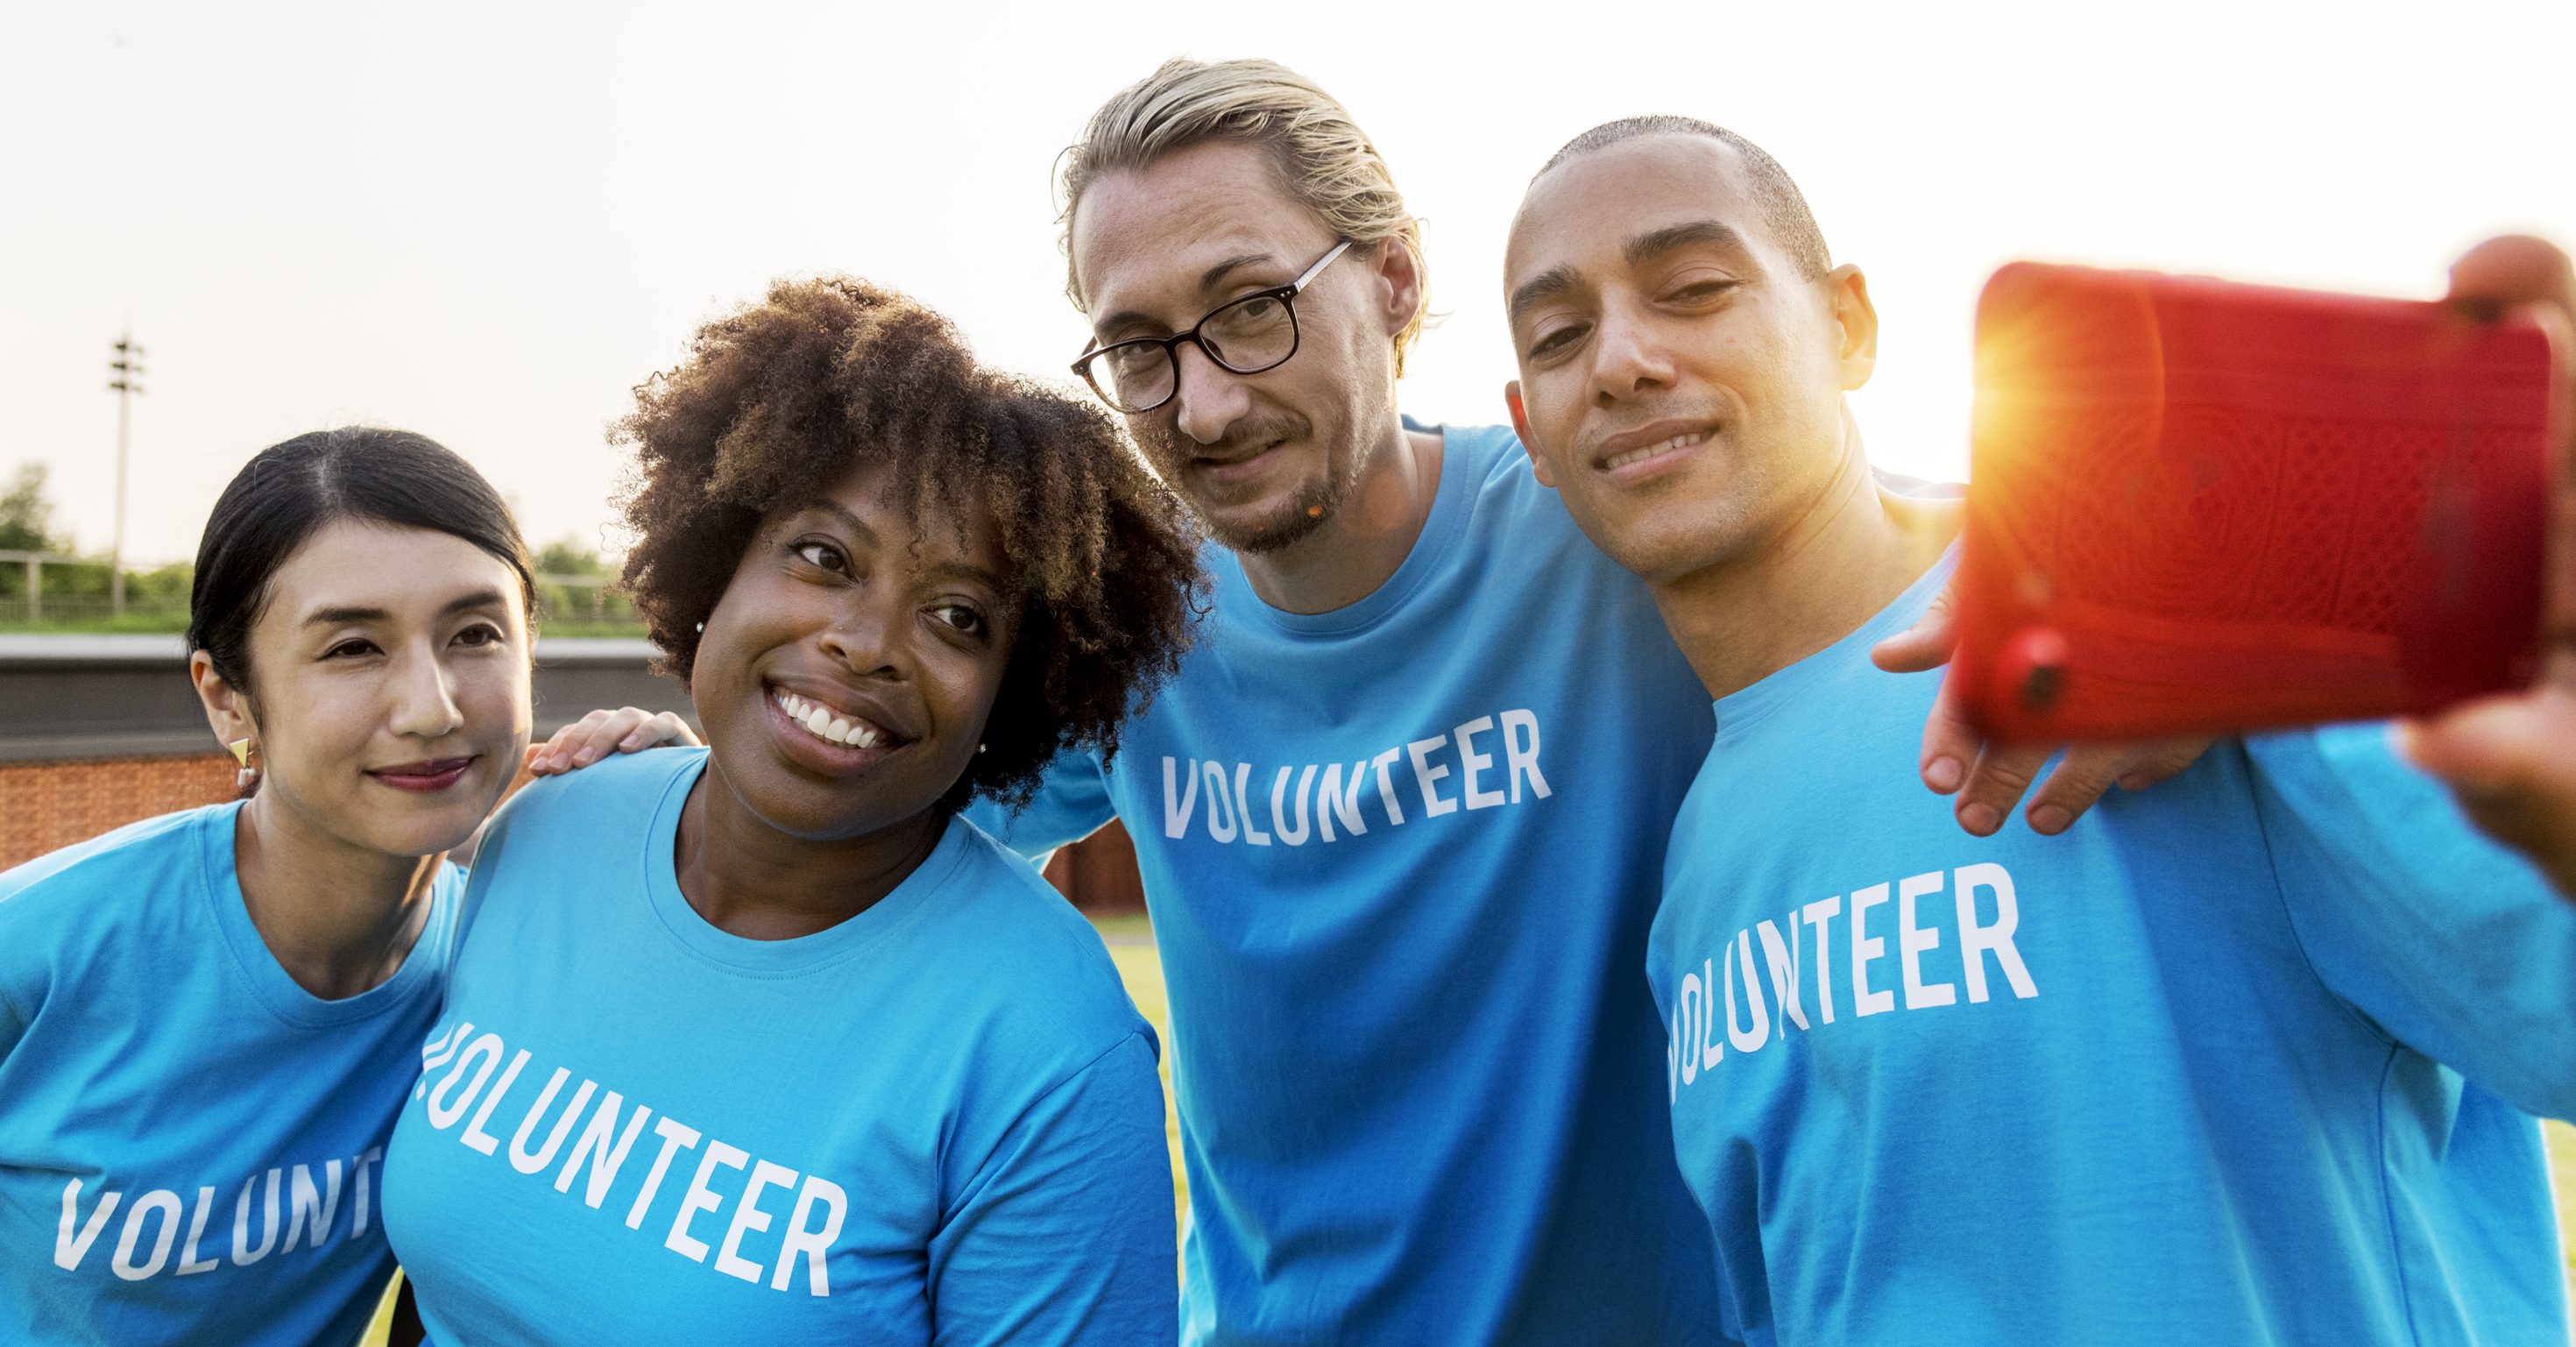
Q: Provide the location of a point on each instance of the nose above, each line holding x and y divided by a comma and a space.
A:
425, 699
1627, 359
864, 638
1207, 399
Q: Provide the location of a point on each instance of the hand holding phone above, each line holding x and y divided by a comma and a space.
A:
2197, 507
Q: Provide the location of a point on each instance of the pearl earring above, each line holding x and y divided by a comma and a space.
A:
979, 748
242, 749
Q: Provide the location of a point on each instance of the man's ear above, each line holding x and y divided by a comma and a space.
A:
1399, 283
1521, 428
1857, 320
227, 707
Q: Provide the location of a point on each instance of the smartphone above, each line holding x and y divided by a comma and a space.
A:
2196, 507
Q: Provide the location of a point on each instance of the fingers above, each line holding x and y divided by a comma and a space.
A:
2512, 762
601, 733
1950, 744
1926, 644
2514, 269
1995, 784
2088, 771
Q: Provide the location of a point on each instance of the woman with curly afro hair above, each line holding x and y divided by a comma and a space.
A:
893, 1089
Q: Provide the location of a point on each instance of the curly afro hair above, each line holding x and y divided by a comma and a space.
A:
833, 373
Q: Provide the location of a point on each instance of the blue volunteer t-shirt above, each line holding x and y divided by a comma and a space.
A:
190, 1143
1400, 859
936, 1122
2247, 1057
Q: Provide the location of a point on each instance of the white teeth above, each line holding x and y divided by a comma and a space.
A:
822, 724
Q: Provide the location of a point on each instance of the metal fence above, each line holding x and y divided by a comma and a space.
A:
47, 591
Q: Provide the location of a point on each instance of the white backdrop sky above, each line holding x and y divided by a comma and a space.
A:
487, 222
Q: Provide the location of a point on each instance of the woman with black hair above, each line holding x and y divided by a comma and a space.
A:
208, 1019
765, 1043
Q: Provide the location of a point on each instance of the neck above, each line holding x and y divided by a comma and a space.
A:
749, 879
1844, 554
1364, 542
338, 918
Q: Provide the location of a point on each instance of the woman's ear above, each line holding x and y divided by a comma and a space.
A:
228, 710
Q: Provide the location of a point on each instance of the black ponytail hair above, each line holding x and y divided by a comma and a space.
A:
289, 491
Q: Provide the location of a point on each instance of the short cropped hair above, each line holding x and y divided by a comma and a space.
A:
832, 374
1775, 193
1322, 157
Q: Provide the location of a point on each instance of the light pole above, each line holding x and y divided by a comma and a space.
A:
128, 383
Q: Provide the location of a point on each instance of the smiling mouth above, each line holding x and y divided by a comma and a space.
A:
841, 729
1656, 450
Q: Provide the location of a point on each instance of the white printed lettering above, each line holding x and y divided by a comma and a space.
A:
528, 1162
675, 1137
1913, 940
1520, 754
1345, 805
1434, 804
309, 1213
69, 1249
243, 1254
1817, 914
1386, 786
1784, 972
1866, 948
474, 1135
1472, 763
1295, 837
701, 1198
189, 1263
1976, 940
1176, 818
1243, 801
812, 1241
1215, 773
748, 1217
594, 1146
442, 1112
162, 1203
1687, 1024
1746, 1040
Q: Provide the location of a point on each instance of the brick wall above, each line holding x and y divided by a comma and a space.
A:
48, 805
45, 806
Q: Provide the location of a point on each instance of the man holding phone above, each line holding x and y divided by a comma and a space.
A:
2512, 760
1400, 815
2248, 1057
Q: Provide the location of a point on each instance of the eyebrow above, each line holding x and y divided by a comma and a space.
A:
1558, 281
868, 535
1208, 280
332, 617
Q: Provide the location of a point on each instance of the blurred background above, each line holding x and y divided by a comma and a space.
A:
488, 222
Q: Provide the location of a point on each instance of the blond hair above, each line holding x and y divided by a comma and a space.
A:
1323, 158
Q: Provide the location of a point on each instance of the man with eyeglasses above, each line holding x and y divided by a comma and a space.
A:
1400, 813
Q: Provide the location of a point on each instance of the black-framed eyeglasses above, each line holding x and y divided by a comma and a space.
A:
1246, 335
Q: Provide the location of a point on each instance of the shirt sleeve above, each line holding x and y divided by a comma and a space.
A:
1066, 1235
2450, 944
1072, 803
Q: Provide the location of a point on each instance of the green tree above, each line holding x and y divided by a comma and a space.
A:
26, 517
566, 556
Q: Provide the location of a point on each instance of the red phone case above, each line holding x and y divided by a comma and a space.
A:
2196, 506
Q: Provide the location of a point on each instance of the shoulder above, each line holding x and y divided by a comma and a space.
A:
114, 869
64, 910
1055, 987
595, 797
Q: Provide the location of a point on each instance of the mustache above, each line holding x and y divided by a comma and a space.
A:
1164, 442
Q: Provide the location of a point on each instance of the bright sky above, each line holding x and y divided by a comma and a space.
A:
486, 222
